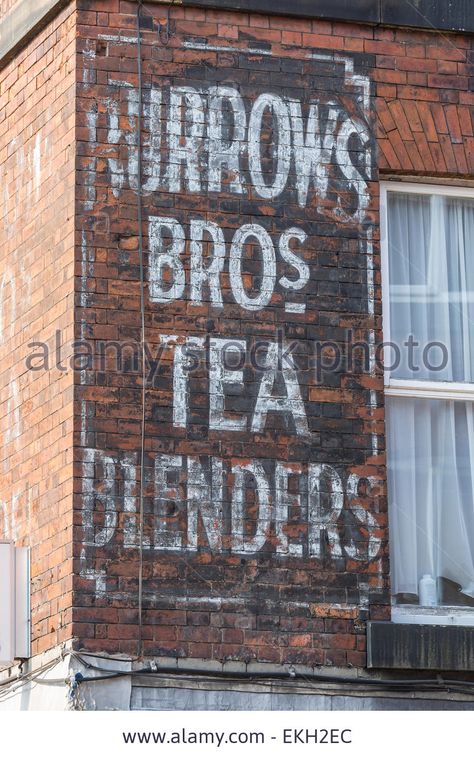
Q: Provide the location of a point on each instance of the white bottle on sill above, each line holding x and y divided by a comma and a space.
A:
427, 592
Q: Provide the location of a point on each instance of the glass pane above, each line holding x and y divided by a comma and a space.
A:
431, 249
430, 446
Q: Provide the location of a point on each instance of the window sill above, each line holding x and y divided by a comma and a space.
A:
444, 390
413, 615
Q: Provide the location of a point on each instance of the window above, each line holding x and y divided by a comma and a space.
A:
428, 281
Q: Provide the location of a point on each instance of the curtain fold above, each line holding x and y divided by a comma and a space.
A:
431, 442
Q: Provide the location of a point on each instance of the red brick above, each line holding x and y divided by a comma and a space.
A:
390, 76
453, 124
37, 105
323, 41
259, 20
460, 158
449, 157
425, 126
399, 118
384, 47
419, 94
429, 119
447, 52
291, 38
417, 78
426, 154
438, 158
446, 82
417, 64
465, 120
417, 162
447, 67
412, 116
401, 151
387, 91
469, 151
228, 31
391, 159
289, 24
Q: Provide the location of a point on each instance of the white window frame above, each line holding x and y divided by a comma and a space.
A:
426, 389
15, 621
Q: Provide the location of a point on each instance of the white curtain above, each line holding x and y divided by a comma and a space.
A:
431, 442
431, 486
431, 260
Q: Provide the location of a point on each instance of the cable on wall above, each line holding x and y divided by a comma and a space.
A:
164, 40
301, 683
142, 314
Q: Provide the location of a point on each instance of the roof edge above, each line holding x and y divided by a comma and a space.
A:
27, 17
22, 22
434, 15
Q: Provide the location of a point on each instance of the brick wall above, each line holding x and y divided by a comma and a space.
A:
424, 103
264, 527
267, 541
264, 511
36, 299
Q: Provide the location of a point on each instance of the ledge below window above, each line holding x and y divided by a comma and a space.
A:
411, 646
414, 614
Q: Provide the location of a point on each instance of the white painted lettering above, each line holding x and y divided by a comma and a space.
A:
201, 274
281, 147
290, 404
226, 153
243, 234
219, 376
241, 542
163, 258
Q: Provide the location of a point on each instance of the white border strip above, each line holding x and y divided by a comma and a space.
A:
358, 80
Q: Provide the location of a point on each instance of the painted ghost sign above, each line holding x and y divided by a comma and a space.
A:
258, 219
213, 145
